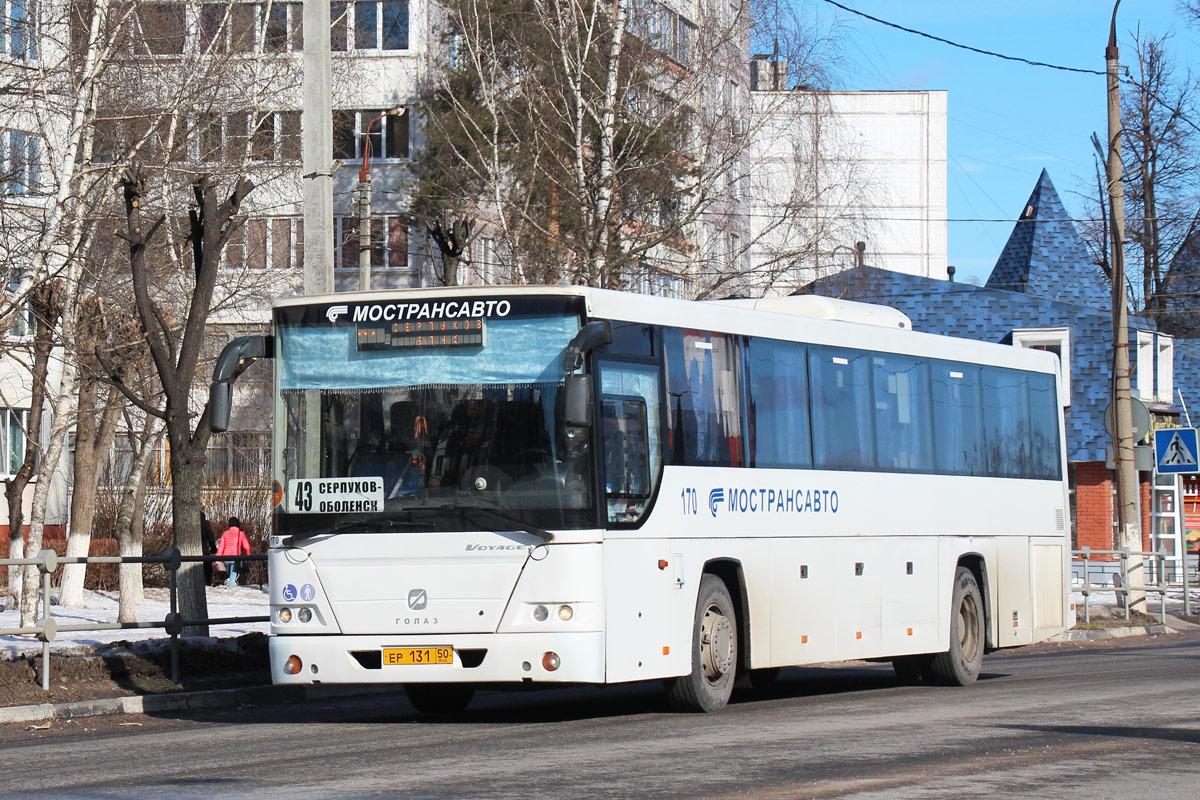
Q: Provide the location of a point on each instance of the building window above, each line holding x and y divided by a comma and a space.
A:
239, 458
250, 27
389, 135
1166, 369
663, 29
18, 29
22, 323
13, 424
275, 243
19, 161
1055, 340
379, 25
223, 137
389, 243
161, 27
1145, 365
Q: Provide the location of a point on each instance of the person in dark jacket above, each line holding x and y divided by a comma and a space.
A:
233, 543
208, 545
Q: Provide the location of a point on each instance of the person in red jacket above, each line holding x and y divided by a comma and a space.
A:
233, 543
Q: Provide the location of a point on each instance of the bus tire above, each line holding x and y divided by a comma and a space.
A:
714, 652
439, 698
959, 666
912, 670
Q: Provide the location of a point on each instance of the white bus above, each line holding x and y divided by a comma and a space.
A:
506, 485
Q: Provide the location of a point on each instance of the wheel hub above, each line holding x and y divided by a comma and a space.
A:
716, 644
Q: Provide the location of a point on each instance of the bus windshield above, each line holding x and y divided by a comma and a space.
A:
428, 425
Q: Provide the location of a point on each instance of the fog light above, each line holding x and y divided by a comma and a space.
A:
304, 615
292, 665
550, 662
565, 613
540, 613
285, 615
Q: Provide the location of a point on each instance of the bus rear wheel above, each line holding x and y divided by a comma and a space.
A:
959, 666
714, 652
439, 698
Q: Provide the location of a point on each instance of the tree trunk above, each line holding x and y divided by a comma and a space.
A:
93, 440
186, 478
45, 304
129, 531
41, 493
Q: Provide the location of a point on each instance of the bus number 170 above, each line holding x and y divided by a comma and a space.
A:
690, 502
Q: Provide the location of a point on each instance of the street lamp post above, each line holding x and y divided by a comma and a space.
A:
364, 203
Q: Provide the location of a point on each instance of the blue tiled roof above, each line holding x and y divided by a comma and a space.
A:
1187, 376
1182, 288
1045, 256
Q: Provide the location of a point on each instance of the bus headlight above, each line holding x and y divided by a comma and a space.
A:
285, 615
541, 613
304, 615
565, 613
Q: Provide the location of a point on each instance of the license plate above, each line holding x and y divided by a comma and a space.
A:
407, 656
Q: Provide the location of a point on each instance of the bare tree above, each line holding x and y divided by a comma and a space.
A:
176, 348
1161, 168
46, 306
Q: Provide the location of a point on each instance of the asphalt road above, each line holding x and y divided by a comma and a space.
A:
1113, 720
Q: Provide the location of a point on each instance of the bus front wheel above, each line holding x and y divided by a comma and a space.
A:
439, 698
959, 666
714, 652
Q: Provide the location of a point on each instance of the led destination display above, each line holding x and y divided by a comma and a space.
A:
462, 332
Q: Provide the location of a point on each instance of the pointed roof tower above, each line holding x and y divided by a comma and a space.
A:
1045, 257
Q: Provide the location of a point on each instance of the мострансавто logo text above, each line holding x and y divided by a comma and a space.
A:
772, 501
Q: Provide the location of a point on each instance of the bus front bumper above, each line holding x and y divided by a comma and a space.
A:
479, 658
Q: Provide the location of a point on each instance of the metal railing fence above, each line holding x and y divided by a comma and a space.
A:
47, 561
1157, 578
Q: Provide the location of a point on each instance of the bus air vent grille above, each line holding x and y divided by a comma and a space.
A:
1060, 521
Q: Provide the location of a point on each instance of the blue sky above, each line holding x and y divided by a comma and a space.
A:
1007, 121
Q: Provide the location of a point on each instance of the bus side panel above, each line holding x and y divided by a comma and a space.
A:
910, 596
1050, 577
858, 574
1014, 608
649, 610
803, 587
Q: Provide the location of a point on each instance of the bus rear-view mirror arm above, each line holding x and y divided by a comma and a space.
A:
577, 405
235, 359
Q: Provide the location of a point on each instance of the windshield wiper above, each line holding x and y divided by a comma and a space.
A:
357, 522
520, 525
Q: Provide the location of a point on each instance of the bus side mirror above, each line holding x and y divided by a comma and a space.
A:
220, 401
577, 403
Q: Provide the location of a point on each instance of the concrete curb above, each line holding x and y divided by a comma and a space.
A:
1097, 634
182, 701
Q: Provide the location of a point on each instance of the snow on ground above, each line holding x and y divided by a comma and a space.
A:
100, 607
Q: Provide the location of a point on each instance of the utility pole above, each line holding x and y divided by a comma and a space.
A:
317, 147
1129, 521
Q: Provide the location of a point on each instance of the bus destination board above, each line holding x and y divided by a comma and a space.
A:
461, 332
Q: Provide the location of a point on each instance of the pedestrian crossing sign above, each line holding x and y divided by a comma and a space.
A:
1175, 450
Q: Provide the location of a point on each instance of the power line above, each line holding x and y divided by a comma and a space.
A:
963, 46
